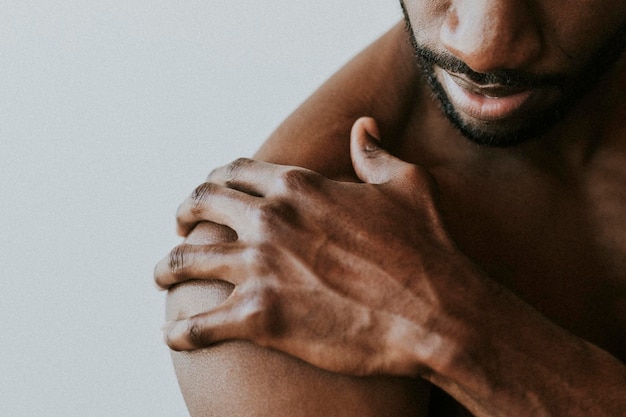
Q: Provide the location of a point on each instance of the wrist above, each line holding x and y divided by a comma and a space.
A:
510, 359
438, 336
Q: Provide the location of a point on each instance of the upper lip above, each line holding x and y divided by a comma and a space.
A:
488, 90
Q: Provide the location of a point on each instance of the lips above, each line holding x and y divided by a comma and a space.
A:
485, 102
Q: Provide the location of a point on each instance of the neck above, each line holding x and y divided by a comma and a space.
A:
593, 124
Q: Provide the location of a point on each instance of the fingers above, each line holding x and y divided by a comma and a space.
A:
239, 317
247, 175
372, 164
222, 323
217, 204
233, 194
226, 262
208, 233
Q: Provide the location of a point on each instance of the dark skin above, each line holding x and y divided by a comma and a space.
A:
237, 378
512, 260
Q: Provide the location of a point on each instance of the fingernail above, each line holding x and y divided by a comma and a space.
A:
372, 131
372, 145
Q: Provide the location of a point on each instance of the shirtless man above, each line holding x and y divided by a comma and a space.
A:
487, 256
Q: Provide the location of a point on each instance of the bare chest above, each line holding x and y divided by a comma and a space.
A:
559, 246
557, 241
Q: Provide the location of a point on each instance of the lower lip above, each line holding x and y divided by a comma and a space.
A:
483, 107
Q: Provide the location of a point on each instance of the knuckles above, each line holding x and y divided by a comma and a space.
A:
196, 334
254, 316
298, 180
178, 260
173, 268
234, 167
232, 171
270, 215
200, 195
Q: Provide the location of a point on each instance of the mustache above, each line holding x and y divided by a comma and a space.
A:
504, 77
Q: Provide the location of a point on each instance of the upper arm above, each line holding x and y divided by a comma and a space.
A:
237, 378
240, 379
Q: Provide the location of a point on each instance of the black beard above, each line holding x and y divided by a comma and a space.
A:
533, 126
571, 90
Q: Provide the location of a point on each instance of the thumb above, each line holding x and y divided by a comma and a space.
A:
372, 164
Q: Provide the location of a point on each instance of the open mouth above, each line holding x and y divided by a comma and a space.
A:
489, 102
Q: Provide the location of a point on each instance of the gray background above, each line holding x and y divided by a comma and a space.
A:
111, 112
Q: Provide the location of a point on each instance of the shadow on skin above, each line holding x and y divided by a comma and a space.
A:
238, 379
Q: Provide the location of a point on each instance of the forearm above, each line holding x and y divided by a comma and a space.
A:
514, 362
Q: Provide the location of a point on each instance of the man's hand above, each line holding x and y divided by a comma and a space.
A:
362, 278
350, 277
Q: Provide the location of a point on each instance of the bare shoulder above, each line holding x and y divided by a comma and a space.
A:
240, 379
380, 82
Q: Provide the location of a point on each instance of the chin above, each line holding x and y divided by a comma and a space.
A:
499, 137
